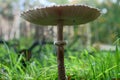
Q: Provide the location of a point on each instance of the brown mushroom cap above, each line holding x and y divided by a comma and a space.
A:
69, 14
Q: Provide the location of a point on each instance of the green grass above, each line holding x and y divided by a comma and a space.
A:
79, 65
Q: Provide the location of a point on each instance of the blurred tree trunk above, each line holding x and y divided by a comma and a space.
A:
39, 32
1, 27
15, 32
88, 35
5, 28
27, 29
55, 33
50, 32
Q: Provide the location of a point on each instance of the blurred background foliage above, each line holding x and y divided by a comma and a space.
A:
103, 30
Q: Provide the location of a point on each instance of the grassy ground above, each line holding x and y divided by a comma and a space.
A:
80, 65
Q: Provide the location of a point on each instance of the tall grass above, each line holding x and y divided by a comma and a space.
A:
79, 65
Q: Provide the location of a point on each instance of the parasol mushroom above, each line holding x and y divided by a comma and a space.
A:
61, 15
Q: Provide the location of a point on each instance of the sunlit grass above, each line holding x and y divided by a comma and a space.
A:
79, 65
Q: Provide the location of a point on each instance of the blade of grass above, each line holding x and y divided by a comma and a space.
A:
117, 61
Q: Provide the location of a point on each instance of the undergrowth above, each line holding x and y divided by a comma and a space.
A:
80, 65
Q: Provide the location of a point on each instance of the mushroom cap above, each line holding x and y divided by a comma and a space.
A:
69, 14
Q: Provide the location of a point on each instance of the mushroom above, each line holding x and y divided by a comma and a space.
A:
61, 15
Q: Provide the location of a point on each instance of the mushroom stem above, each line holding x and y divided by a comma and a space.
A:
60, 52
